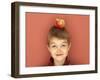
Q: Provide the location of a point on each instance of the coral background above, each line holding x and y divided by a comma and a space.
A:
37, 27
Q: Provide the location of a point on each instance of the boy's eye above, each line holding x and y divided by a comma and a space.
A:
53, 46
63, 45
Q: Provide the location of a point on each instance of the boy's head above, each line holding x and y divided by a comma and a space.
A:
58, 43
60, 33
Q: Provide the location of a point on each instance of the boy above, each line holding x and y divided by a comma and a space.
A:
59, 44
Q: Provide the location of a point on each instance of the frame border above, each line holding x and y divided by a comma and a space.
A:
15, 38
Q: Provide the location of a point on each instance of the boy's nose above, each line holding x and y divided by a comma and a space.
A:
59, 50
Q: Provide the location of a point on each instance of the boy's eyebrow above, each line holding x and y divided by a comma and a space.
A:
64, 42
52, 43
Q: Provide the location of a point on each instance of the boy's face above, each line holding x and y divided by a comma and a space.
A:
58, 48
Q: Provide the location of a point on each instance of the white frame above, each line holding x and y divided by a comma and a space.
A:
80, 10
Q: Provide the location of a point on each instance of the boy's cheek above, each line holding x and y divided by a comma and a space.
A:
53, 52
52, 49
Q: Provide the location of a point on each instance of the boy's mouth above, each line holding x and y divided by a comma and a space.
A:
59, 54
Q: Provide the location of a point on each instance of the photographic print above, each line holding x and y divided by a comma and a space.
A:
53, 39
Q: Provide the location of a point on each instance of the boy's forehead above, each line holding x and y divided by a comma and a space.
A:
55, 40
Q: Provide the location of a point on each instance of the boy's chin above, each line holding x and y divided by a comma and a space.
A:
60, 59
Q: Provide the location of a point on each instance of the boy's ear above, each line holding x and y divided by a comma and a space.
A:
69, 46
48, 47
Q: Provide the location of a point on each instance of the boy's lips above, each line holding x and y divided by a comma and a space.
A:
59, 54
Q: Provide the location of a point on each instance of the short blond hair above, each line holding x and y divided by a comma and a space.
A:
60, 33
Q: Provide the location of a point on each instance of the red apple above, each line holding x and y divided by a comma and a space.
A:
60, 23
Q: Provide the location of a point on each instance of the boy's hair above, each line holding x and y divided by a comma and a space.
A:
60, 33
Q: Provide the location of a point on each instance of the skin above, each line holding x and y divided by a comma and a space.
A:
59, 50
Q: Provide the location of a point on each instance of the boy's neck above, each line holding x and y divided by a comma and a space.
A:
59, 63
